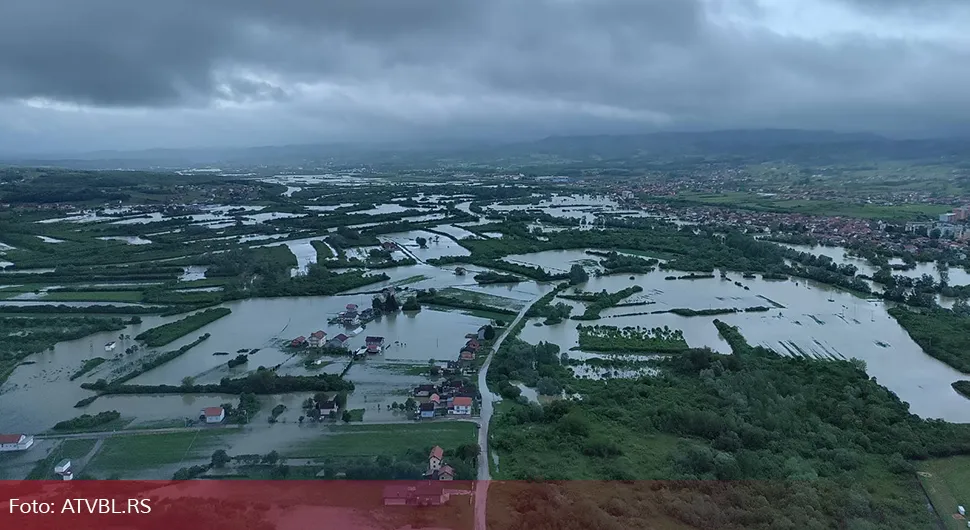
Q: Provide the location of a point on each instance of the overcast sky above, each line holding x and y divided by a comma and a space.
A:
128, 74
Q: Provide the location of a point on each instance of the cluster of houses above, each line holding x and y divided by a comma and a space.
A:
373, 345
449, 398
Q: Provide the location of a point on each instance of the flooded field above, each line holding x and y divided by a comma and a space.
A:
840, 255
436, 247
806, 318
40, 394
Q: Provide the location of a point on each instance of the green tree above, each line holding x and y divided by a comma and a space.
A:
422, 242
345, 416
577, 274
220, 459
341, 399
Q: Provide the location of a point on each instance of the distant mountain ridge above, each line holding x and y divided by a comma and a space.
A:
755, 144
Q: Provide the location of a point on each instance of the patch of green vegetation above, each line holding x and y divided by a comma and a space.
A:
490, 277
941, 333
323, 250
679, 427
137, 452
411, 279
86, 422
87, 366
753, 201
70, 449
94, 296
392, 440
353, 415
600, 301
962, 387
483, 299
162, 335
632, 339
947, 483
433, 297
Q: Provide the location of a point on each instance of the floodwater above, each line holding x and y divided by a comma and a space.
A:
38, 395
958, 276
456, 232
131, 240
305, 254
437, 246
552, 260
814, 320
192, 273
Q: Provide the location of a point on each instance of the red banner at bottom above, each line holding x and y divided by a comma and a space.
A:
238, 505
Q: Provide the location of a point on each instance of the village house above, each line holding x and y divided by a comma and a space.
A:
445, 473
481, 333
317, 338
212, 414
374, 344
15, 442
473, 345
338, 341
298, 342
426, 410
63, 469
466, 355
424, 390
461, 406
328, 407
435, 458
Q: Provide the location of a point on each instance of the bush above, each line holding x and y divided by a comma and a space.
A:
87, 421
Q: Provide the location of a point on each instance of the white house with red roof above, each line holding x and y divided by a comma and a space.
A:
461, 405
318, 338
15, 442
435, 458
212, 414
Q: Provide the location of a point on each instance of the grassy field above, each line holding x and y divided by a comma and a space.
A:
137, 452
373, 440
947, 482
73, 449
94, 296
751, 201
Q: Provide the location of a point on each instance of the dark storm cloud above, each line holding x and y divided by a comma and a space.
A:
346, 67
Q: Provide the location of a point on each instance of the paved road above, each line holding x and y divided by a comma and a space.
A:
484, 476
